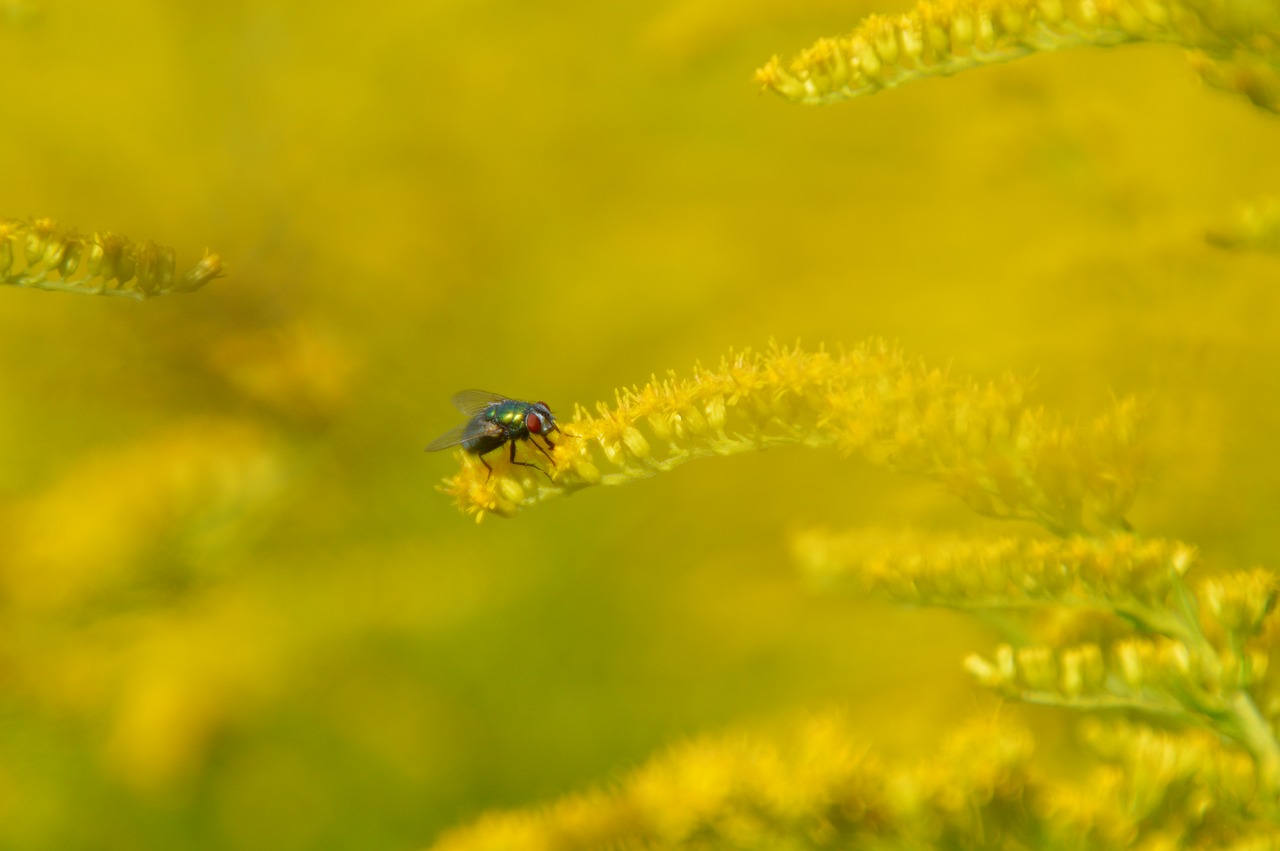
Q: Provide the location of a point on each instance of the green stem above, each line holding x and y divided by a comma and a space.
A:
1106, 702
80, 285
1239, 717
1255, 733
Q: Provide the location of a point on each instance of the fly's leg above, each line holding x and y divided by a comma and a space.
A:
543, 451
526, 463
486, 466
565, 433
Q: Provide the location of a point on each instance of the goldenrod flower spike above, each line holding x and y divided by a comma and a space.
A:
1154, 676
1191, 658
1132, 577
980, 440
820, 788
941, 37
42, 255
1182, 778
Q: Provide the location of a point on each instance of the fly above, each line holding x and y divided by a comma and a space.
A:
495, 421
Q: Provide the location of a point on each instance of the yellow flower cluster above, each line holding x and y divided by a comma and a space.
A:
823, 788
1153, 790
1158, 676
1186, 786
41, 254
121, 555
1120, 573
1239, 602
945, 36
1182, 656
1066, 674
82, 540
979, 439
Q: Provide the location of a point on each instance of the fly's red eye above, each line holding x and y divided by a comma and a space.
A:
533, 422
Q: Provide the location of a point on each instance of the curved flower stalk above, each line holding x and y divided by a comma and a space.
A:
941, 37
1135, 578
42, 255
982, 441
1188, 657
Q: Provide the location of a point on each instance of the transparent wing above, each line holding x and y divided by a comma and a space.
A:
472, 402
452, 437
458, 435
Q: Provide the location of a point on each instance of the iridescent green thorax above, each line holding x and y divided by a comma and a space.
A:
511, 413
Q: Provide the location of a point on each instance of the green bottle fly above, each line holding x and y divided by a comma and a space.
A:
495, 421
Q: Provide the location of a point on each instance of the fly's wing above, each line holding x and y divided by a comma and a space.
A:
472, 402
459, 435
452, 437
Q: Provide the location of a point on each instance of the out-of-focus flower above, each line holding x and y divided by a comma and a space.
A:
294, 370
43, 255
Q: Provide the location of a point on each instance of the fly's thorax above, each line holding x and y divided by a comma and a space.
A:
510, 414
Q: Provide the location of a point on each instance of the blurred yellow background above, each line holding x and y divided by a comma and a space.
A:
236, 612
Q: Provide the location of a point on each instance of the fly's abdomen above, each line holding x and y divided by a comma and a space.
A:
484, 443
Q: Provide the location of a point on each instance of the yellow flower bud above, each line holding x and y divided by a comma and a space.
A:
982, 671
635, 443
1038, 668
71, 254
962, 31
867, 58
1132, 667
206, 270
